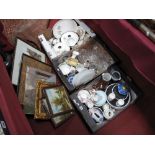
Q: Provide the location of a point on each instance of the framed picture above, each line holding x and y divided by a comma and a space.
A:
31, 71
41, 109
56, 120
58, 100
3, 126
23, 48
59, 120
1, 130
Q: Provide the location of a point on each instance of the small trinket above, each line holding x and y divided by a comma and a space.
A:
75, 54
96, 114
89, 104
108, 114
87, 64
72, 62
55, 41
66, 69
70, 78
120, 102
111, 96
106, 107
122, 88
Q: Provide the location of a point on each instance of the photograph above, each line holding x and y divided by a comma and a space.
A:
23, 48
58, 100
31, 71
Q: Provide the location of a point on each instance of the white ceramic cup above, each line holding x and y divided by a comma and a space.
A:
106, 107
108, 114
111, 96
106, 77
89, 104
65, 69
120, 102
115, 75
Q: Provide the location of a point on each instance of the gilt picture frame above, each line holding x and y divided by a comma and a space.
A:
41, 110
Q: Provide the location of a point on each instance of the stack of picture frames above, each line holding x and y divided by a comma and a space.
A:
39, 91
52, 103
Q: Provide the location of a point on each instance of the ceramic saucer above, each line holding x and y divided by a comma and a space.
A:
102, 98
69, 38
60, 48
83, 96
63, 26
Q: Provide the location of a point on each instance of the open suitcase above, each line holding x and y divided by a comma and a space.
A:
18, 123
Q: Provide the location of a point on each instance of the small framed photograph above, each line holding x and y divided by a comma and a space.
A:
32, 70
24, 48
56, 120
41, 108
58, 100
59, 120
